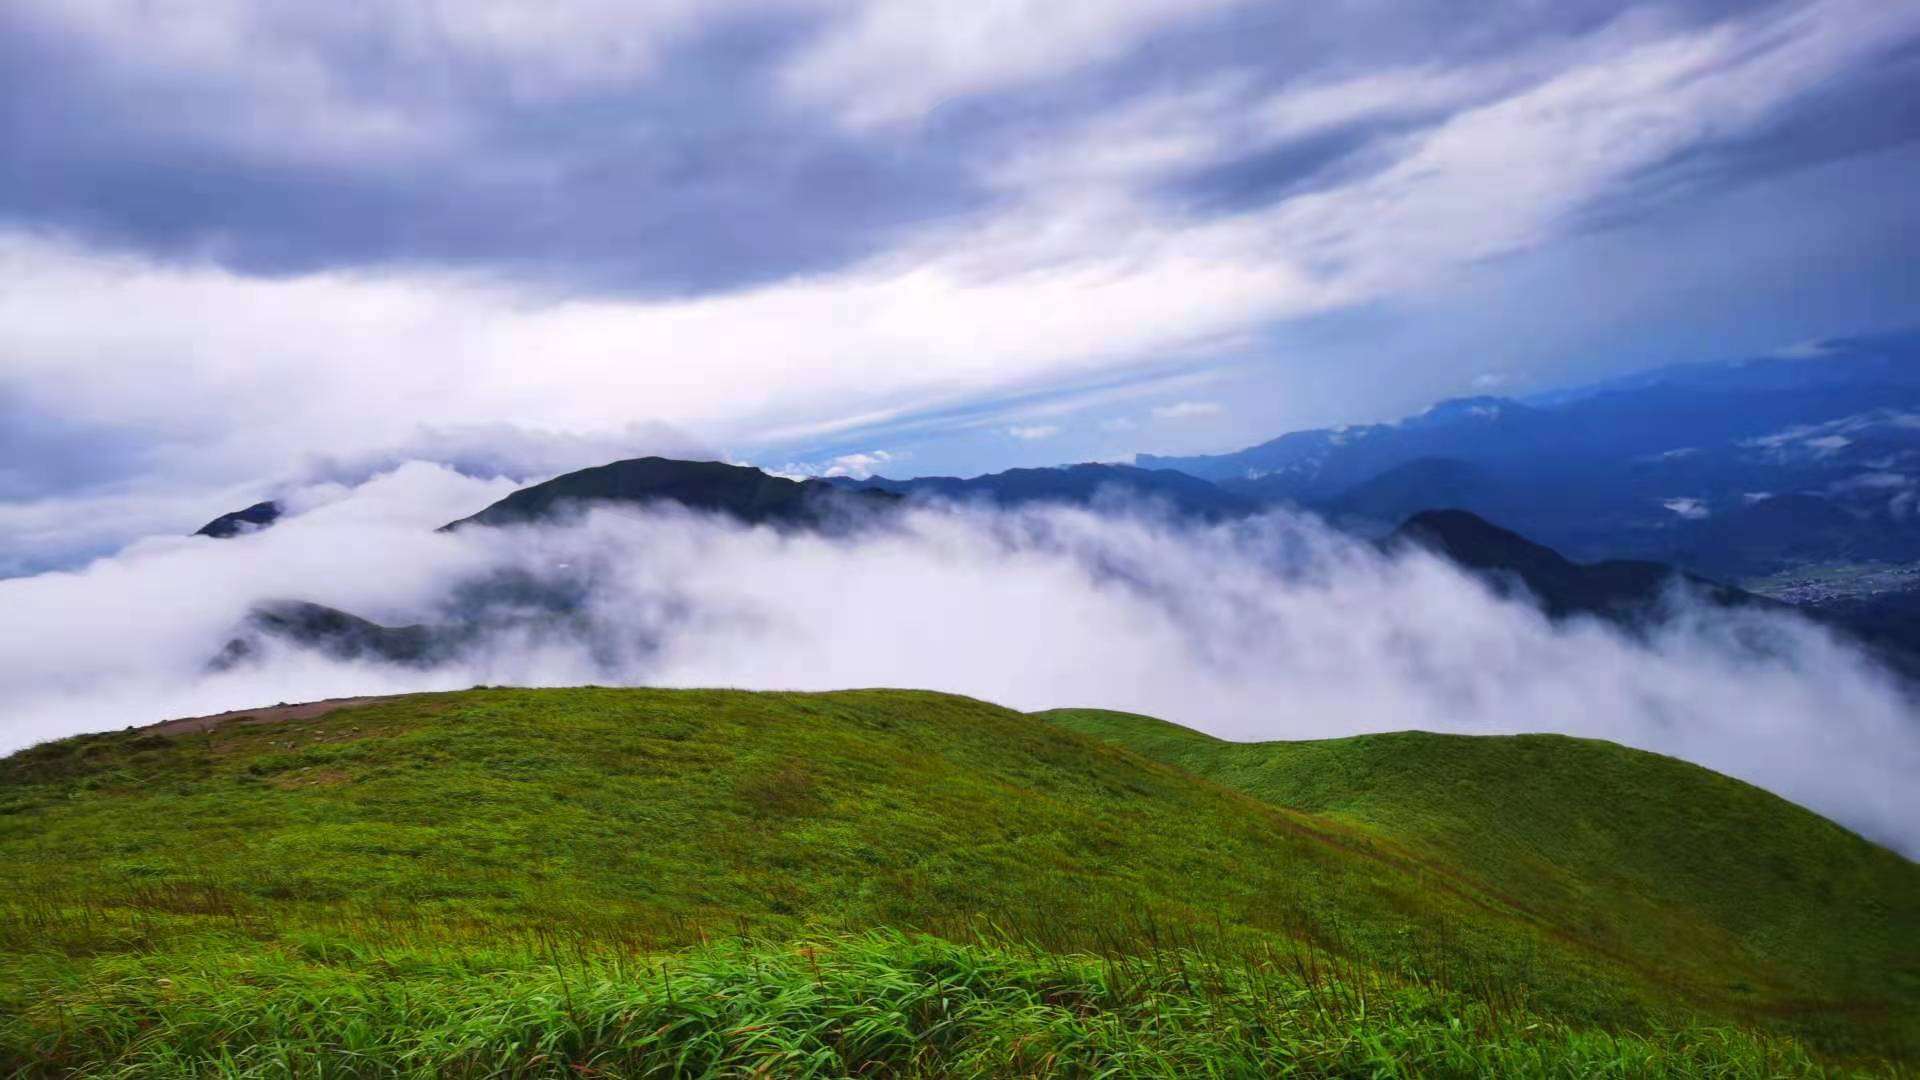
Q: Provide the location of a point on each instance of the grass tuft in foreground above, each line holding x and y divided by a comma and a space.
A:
877, 1004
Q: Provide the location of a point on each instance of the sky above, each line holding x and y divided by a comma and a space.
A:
248, 247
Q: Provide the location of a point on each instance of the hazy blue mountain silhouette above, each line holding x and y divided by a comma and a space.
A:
1185, 495
1727, 469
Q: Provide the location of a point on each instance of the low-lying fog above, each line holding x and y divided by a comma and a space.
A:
1270, 629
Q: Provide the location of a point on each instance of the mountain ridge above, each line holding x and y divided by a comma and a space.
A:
740, 491
1187, 496
1628, 589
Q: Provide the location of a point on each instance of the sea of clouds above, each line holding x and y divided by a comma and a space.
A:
1274, 628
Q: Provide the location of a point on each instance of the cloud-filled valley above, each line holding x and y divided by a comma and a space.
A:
1264, 628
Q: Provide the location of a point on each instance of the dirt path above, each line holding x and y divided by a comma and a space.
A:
188, 725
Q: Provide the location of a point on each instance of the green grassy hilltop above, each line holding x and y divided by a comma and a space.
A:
602, 882
1707, 884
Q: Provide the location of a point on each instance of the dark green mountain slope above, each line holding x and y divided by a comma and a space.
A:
338, 635
745, 493
1616, 588
259, 883
1631, 853
1634, 592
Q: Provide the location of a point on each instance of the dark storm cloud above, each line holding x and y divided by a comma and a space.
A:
1872, 110
1275, 173
1866, 110
691, 180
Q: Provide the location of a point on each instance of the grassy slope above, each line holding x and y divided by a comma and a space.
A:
1730, 890
445, 839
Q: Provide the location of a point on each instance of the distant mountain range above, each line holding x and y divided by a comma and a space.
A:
1729, 470
746, 494
1632, 593
1702, 474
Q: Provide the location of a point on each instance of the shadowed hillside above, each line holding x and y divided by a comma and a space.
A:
1617, 588
745, 493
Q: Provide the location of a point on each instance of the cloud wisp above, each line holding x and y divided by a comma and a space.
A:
1270, 629
1188, 410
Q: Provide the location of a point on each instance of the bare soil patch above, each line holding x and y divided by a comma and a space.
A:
189, 725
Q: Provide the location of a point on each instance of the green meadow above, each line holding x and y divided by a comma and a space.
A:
600, 882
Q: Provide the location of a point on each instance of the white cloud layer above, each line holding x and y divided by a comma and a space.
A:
1495, 177
59, 529
1032, 432
248, 73
1187, 410
1269, 629
896, 60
